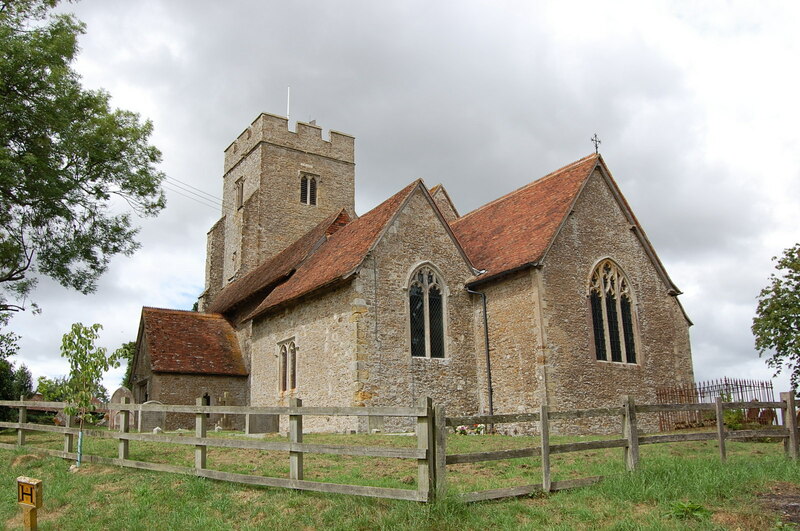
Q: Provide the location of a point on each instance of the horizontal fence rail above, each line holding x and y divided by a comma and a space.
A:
431, 437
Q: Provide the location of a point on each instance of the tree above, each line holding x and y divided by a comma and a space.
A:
776, 326
22, 382
52, 390
71, 167
126, 352
87, 363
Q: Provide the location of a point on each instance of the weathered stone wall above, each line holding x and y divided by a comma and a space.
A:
324, 331
141, 375
215, 255
184, 389
595, 230
513, 345
388, 375
442, 201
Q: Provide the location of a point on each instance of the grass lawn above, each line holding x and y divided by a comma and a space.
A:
678, 486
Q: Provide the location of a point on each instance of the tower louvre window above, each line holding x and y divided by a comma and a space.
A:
426, 314
308, 189
612, 309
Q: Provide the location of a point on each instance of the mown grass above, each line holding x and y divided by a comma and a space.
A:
678, 486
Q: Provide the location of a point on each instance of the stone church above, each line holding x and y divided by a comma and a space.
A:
551, 294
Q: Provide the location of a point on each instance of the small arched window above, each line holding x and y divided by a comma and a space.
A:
308, 190
426, 314
287, 367
611, 304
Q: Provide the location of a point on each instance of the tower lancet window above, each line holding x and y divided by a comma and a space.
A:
611, 304
308, 190
240, 193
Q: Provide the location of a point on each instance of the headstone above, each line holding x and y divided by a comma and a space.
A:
151, 419
261, 423
115, 417
156, 430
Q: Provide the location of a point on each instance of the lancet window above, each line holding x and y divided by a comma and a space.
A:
287, 367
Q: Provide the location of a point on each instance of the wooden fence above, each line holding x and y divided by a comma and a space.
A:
431, 434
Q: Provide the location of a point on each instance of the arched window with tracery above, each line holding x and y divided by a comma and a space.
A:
611, 304
426, 313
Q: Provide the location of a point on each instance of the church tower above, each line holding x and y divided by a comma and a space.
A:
277, 186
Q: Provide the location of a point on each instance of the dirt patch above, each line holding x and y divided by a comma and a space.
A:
784, 499
22, 459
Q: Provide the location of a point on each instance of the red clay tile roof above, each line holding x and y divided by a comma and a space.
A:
517, 229
339, 257
278, 268
191, 343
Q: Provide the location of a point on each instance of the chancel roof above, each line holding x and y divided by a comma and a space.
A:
516, 230
191, 343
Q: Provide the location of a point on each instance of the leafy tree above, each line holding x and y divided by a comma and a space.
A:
87, 363
776, 326
71, 167
52, 390
22, 382
126, 352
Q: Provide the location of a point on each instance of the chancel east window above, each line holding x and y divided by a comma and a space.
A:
426, 314
611, 303
287, 367
308, 190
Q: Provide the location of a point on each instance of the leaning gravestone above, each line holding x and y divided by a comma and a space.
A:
148, 420
115, 417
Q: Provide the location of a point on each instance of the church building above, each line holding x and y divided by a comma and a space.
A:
551, 294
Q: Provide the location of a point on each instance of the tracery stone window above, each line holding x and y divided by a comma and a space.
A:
287, 367
611, 304
308, 189
426, 313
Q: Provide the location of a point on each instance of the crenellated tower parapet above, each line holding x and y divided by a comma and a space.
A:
273, 129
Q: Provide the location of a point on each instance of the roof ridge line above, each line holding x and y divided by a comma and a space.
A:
523, 187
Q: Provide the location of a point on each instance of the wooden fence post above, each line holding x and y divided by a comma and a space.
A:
123, 428
200, 450
295, 436
790, 423
721, 428
23, 418
440, 450
544, 419
630, 430
426, 469
69, 437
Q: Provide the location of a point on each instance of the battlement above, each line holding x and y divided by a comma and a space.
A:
273, 129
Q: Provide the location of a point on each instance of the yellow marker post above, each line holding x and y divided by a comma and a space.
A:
29, 496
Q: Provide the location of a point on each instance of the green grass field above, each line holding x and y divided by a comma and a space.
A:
678, 486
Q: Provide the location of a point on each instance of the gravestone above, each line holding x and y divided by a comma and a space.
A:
255, 423
148, 420
115, 417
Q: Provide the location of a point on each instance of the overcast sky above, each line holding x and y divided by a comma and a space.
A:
696, 105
